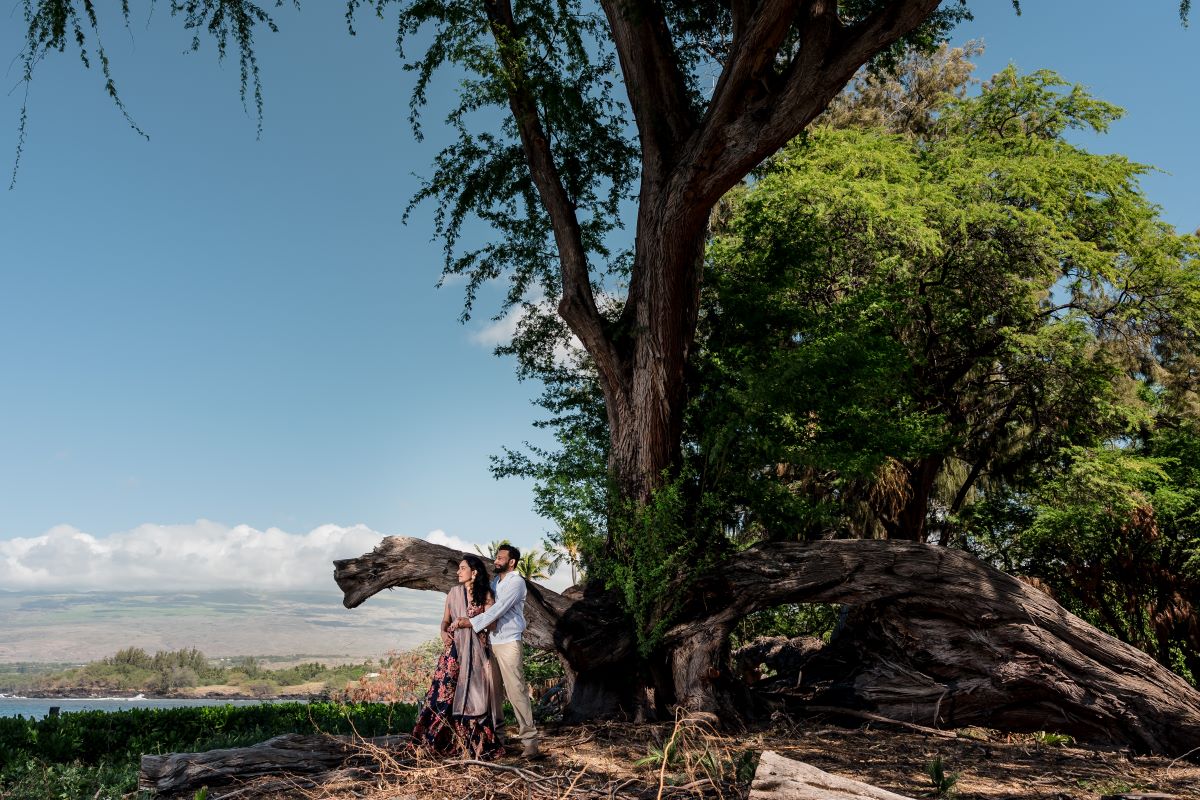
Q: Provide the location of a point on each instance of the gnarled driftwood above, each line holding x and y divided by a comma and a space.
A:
291, 753
934, 637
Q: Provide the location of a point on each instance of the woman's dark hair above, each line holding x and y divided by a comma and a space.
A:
479, 586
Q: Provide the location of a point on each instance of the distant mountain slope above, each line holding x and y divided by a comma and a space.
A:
85, 626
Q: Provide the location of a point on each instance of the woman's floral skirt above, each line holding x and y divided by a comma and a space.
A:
439, 730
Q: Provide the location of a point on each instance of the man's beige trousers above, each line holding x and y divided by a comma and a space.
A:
507, 664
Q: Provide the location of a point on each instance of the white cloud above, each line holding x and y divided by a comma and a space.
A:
453, 542
559, 581
501, 331
199, 556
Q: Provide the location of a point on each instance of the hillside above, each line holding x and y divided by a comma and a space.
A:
80, 627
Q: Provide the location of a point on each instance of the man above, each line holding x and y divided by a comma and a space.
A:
508, 612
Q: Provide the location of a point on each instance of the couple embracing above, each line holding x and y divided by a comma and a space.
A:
480, 665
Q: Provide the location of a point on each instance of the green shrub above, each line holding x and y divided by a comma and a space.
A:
93, 736
95, 754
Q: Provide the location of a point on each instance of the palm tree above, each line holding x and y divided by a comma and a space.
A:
566, 552
538, 564
492, 548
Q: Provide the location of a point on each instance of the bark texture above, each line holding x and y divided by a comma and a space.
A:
933, 637
291, 753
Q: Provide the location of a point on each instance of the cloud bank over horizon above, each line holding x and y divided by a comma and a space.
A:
198, 556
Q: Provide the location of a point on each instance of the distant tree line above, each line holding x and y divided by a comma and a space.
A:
134, 669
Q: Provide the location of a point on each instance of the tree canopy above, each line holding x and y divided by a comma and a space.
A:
906, 326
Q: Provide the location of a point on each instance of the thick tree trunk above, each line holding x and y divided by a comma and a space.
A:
645, 398
935, 637
909, 521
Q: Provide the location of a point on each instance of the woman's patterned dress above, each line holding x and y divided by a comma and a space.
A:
458, 716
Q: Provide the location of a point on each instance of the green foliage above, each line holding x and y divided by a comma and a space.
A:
1050, 739
95, 753
656, 755
133, 669
91, 737
51, 25
1112, 533
35, 779
887, 309
806, 619
564, 60
659, 549
541, 666
943, 782
538, 564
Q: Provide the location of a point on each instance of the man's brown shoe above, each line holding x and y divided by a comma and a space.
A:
531, 750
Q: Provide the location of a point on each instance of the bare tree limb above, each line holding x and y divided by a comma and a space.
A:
827, 58
578, 304
758, 32
656, 87
936, 638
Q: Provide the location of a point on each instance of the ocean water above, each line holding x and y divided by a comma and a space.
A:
39, 707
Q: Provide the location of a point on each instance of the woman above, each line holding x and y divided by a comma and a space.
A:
460, 713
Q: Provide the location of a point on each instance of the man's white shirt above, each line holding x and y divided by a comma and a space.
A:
509, 609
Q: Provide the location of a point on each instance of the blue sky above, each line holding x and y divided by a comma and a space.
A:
210, 326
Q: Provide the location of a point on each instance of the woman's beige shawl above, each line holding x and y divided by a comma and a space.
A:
474, 695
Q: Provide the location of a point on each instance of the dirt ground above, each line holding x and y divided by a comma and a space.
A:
602, 761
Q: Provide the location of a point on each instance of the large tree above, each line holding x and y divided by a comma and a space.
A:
710, 90
894, 318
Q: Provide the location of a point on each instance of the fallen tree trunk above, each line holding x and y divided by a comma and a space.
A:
934, 637
291, 753
586, 631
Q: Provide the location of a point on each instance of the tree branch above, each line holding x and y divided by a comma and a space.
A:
758, 32
829, 55
578, 304
657, 90
971, 645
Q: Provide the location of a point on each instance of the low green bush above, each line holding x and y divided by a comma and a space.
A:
91, 736
95, 754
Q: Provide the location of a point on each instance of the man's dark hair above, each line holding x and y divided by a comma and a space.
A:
513, 553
